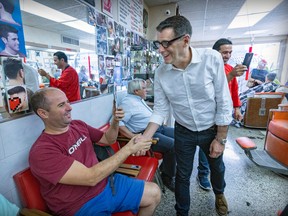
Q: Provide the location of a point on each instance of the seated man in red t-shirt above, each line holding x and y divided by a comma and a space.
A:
72, 180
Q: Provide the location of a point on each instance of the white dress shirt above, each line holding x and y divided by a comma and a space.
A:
199, 94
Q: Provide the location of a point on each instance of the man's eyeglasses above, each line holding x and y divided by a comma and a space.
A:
166, 44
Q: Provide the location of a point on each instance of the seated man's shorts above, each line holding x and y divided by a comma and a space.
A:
128, 194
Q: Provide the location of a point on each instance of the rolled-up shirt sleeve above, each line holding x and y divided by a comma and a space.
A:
161, 104
222, 96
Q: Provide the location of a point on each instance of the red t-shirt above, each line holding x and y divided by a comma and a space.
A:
68, 83
233, 87
52, 155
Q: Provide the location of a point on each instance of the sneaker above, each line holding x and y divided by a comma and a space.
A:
204, 183
221, 205
168, 182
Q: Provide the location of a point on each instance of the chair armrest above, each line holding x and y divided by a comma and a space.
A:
33, 212
124, 139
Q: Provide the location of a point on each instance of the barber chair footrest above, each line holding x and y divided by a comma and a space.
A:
245, 143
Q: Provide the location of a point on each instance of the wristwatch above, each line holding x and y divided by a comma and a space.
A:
222, 141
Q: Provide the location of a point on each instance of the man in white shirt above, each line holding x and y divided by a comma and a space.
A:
193, 81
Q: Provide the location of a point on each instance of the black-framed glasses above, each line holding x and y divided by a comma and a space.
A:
166, 44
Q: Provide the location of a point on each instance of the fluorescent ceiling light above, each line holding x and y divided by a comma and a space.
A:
252, 12
255, 32
40, 10
246, 20
215, 27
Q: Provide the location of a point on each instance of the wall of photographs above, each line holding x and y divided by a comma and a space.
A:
122, 53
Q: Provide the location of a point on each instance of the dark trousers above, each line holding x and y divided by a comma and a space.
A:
203, 165
186, 142
166, 147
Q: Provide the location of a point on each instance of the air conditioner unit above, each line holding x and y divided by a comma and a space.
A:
69, 40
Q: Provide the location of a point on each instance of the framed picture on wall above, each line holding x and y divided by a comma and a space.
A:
107, 7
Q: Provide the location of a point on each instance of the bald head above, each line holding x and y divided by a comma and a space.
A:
41, 99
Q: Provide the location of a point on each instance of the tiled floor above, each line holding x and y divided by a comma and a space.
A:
250, 190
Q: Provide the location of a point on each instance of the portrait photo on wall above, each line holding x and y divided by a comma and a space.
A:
128, 38
10, 12
91, 16
12, 71
102, 48
101, 19
119, 30
101, 33
107, 7
110, 46
12, 41
101, 65
110, 28
109, 62
17, 98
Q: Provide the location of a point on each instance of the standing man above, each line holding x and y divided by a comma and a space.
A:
68, 81
9, 36
193, 81
72, 180
224, 47
135, 121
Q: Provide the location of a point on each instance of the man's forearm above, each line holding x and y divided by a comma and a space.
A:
112, 133
126, 132
150, 130
222, 132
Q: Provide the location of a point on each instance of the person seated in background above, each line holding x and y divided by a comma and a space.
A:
80, 185
257, 75
284, 89
93, 82
83, 77
135, 121
267, 86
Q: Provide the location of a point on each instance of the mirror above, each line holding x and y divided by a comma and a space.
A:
96, 45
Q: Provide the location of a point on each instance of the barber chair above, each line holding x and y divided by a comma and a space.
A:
34, 204
258, 107
31, 198
274, 155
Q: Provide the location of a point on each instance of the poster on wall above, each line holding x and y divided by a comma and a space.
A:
17, 98
12, 41
91, 16
107, 7
130, 15
16, 93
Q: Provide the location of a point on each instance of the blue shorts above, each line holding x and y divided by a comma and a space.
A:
128, 194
